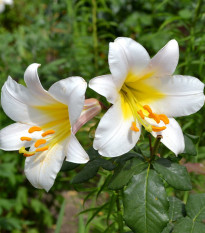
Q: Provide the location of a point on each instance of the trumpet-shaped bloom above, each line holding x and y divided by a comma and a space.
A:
3, 3
44, 121
144, 93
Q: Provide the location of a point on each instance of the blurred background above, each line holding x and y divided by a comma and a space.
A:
71, 38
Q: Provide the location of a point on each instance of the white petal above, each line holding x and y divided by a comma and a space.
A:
10, 137
70, 91
33, 83
166, 60
2, 7
113, 136
105, 86
173, 137
126, 55
183, 95
19, 103
74, 151
42, 168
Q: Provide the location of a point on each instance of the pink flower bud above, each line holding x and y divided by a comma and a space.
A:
91, 108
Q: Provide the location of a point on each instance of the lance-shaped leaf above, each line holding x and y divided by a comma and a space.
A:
190, 144
125, 171
145, 203
176, 175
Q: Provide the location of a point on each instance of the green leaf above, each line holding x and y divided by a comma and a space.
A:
60, 217
125, 171
89, 171
195, 207
186, 225
67, 166
190, 144
145, 203
176, 209
176, 175
168, 228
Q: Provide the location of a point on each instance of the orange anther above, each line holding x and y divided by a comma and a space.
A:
47, 133
155, 117
147, 107
34, 128
29, 155
141, 113
40, 142
25, 139
158, 129
164, 118
42, 149
134, 127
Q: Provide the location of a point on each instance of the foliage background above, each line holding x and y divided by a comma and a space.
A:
71, 38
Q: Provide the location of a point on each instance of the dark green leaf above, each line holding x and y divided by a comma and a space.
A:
186, 225
176, 175
176, 209
67, 166
125, 171
195, 207
89, 171
145, 203
190, 144
60, 217
168, 228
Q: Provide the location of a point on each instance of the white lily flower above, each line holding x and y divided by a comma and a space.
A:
44, 123
3, 3
144, 93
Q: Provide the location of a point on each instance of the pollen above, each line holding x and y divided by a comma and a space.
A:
42, 149
47, 133
141, 113
164, 118
134, 127
39, 142
25, 139
158, 129
155, 117
34, 128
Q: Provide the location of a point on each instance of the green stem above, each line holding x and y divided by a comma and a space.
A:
155, 148
119, 213
95, 37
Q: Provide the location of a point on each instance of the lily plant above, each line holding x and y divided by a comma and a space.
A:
144, 92
46, 122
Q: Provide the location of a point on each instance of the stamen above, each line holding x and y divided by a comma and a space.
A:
34, 128
147, 107
40, 142
47, 133
134, 127
164, 118
158, 129
25, 139
155, 117
26, 153
42, 149
141, 113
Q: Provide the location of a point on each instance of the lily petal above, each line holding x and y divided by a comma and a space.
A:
33, 83
173, 137
113, 136
70, 91
41, 169
74, 151
10, 137
181, 95
105, 86
166, 60
126, 55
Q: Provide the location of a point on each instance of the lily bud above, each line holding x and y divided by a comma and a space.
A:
91, 108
